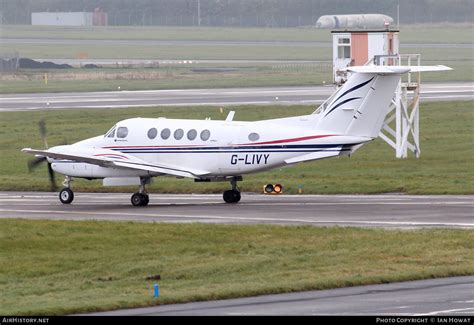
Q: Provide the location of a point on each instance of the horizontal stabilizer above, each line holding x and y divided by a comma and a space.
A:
382, 69
429, 68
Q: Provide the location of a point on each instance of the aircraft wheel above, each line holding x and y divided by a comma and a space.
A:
140, 200
66, 196
146, 199
236, 196
231, 196
137, 200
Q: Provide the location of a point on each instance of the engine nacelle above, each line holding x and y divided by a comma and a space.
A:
84, 170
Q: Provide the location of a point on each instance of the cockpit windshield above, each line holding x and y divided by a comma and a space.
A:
111, 132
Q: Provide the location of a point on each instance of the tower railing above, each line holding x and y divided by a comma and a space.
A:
401, 129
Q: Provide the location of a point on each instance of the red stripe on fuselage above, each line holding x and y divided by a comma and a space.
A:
138, 147
289, 140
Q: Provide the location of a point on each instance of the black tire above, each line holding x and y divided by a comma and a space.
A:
231, 196
137, 200
140, 200
236, 196
146, 199
66, 196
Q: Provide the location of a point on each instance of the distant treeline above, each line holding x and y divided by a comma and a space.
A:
243, 13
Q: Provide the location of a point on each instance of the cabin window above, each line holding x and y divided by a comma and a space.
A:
165, 134
205, 135
192, 134
178, 134
254, 136
122, 132
152, 133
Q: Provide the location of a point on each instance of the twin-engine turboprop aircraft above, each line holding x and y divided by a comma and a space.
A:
135, 150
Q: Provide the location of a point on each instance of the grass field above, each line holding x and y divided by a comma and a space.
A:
445, 166
77, 80
250, 74
51, 267
73, 80
446, 33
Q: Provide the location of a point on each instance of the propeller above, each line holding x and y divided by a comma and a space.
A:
42, 129
37, 161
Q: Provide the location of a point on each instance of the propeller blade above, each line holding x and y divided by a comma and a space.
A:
33, 163
42, 129
51, 178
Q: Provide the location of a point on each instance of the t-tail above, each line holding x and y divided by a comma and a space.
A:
359, 107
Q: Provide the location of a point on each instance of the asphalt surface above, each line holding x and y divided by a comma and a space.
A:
216, 97
430, 298
388, 211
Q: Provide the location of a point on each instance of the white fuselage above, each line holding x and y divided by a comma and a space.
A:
220, 148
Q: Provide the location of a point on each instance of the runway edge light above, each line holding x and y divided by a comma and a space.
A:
273, 189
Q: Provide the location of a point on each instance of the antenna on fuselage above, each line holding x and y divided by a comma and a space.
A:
230, 116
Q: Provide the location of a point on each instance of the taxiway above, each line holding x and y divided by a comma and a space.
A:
388, 211
209, 97
429, 298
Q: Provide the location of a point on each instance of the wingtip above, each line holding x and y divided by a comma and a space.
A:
446, 68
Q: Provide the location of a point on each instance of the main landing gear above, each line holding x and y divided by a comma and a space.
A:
233, 195
141, 199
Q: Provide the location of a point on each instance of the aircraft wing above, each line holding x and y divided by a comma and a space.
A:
109, 158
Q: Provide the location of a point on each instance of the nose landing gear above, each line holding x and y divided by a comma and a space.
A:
66, 195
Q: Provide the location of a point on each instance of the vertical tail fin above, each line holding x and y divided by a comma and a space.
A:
360, 106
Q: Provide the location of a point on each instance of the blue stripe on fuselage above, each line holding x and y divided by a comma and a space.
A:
239, 149
231, 148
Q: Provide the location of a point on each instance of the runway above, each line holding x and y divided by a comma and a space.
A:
388, 211
211, 97
429, 298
